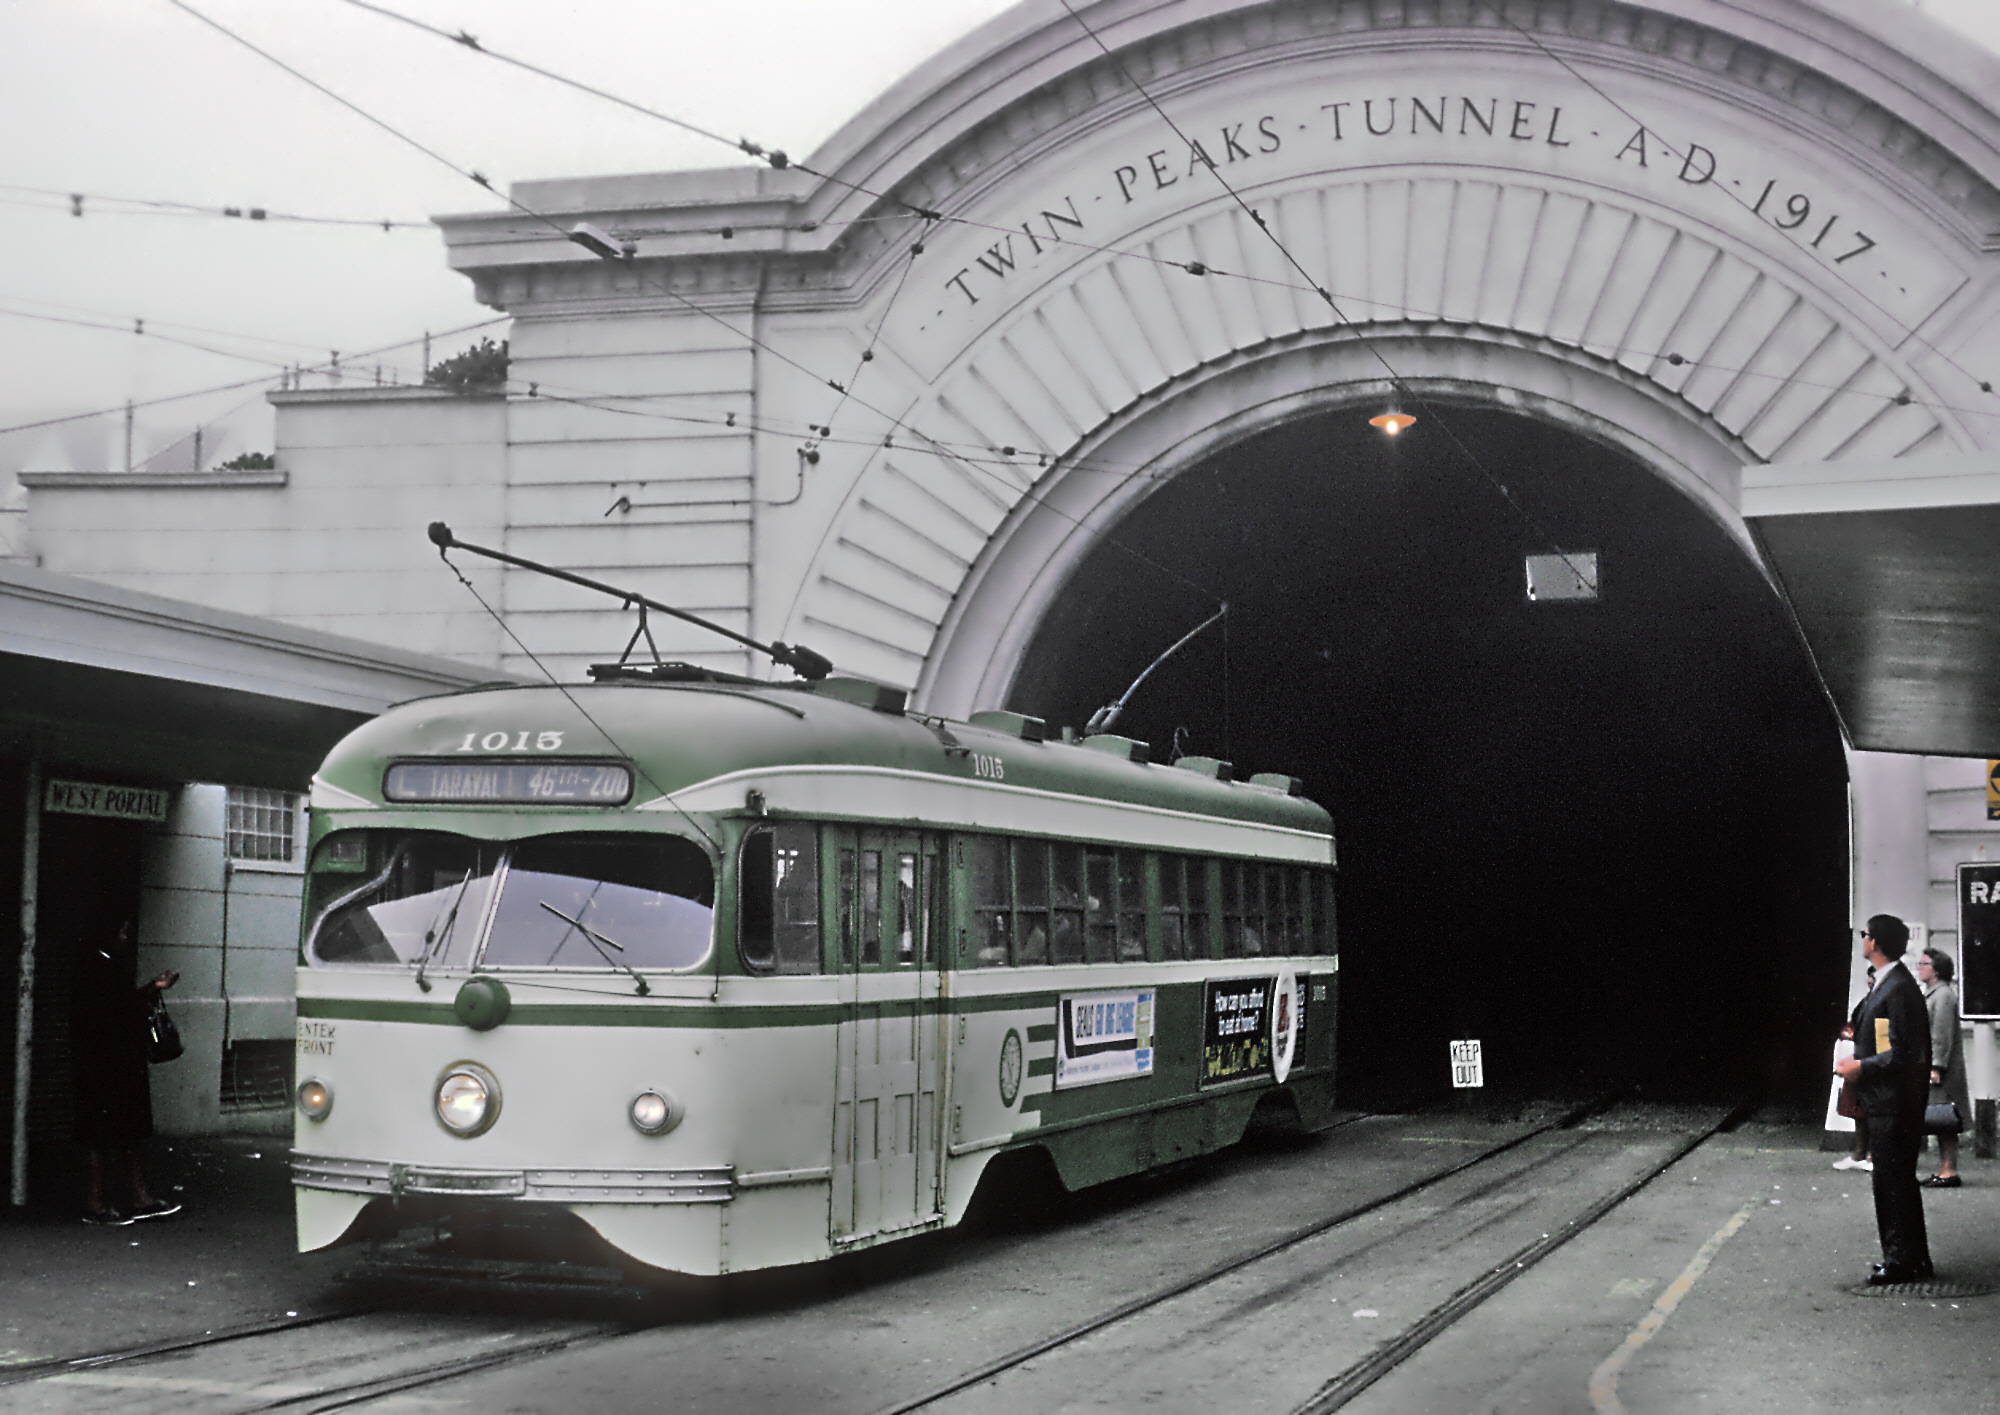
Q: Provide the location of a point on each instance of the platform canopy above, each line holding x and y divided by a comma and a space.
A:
164, 690
1892, 567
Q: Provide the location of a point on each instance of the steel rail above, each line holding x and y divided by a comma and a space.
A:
1229, 1265
1378, 1363
46, 1367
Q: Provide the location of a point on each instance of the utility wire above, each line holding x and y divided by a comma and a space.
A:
1367, 342
896, 423
75, 202
239, 383
1909, 331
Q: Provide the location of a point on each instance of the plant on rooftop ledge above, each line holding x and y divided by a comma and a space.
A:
249, 462
479, 369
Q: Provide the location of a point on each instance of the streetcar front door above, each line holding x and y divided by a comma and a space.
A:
888, 1086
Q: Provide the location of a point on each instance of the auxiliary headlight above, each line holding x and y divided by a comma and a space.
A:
315, 1099
468, 1099
656, 1112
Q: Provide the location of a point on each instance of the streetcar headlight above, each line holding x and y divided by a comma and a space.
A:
315, 1099
468, 1099
655, 1112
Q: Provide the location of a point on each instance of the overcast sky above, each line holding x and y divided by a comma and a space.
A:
139, 99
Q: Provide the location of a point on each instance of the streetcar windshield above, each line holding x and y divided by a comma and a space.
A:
603, 901
424, 903
427, 899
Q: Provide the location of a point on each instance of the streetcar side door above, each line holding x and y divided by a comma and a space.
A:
888, 1097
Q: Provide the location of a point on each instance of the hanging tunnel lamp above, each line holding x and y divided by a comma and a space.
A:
1392, 422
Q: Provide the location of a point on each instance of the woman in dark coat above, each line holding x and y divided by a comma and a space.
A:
113, 1095
1948, 1080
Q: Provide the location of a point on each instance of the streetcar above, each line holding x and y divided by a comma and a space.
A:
743, 974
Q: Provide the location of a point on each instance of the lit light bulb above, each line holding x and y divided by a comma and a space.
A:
1392, 422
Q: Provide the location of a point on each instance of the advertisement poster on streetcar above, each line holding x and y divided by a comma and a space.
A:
1236, 1029
1103, 1036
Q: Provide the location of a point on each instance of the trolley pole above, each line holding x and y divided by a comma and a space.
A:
24, 1000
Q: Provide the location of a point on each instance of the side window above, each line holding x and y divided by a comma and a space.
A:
1101, 905
1199, 936
1066, 934
871, 906
1323, 935
1031, 902
1173, 906
1232, 908
1295, 910
777, 900
847, 908
1131, 906
991, 903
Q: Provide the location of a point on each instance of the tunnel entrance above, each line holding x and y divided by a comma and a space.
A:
1609, 839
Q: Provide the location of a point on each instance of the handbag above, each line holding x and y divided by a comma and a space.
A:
1943, 1119
1849, 1104
163, 1038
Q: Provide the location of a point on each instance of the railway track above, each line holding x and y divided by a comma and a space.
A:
339, 1359
1186, 1295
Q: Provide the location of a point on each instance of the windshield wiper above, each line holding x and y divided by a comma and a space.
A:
597, 941
434, 937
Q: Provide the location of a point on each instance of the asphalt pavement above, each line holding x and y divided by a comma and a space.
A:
1727, 1284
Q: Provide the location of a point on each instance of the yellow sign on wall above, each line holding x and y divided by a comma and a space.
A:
1993, 791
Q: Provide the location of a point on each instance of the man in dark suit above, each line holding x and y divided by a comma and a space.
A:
1891, 1069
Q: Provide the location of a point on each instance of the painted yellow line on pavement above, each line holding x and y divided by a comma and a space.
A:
1604, 1380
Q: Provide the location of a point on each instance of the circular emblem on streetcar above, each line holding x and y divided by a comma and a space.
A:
1010, 1068
1287, 1010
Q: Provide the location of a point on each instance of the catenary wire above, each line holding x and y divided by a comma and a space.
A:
894, 421
233, 386
1196, 268
73, 201
1910, 331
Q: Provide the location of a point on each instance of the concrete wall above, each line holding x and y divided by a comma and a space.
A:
230, 929
333, 540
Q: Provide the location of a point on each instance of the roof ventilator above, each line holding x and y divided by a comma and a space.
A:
1012, 724
1207, 766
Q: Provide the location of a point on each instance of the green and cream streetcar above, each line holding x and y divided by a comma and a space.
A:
745, 974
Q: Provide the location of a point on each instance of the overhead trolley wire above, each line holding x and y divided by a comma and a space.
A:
238, 383
1396, 379
1909, 331
74, 202
1197, 268
896, 423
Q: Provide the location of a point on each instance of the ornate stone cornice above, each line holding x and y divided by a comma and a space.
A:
1024, 86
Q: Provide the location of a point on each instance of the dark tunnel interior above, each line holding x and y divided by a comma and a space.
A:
1607, 839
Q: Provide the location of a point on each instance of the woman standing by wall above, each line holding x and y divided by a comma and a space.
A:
1935, 971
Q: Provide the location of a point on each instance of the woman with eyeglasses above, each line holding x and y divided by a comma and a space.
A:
1948, 1080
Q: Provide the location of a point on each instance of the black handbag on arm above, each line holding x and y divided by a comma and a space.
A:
163, 1038
1943, 1119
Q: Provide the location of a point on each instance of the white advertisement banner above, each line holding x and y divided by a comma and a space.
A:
1103, 1036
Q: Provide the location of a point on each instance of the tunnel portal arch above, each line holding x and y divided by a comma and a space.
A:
1715, 232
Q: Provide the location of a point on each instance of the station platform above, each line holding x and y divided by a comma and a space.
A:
1772, 1321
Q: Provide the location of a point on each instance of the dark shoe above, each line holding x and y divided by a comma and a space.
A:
1892, 1275
1940, 1181
107, 1218
158, 1208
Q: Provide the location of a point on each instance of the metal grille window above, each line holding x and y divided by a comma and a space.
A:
257, 1075
262, 824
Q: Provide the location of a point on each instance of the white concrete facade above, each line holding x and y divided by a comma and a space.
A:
1713, 233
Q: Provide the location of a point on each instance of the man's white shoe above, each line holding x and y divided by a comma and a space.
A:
1848, 1162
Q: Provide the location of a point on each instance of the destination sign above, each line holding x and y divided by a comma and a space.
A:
510, 783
